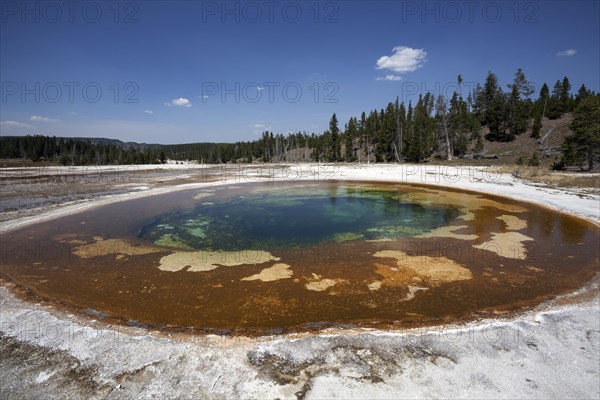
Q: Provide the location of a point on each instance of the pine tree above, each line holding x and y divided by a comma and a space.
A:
349, 139
430, 138
422, 139
542, 102
524, 88
517, 115
333, 139
371, 125
491, 100
488, 97
441, 111
362, 131
413, 150
555, 105
565, 95
388, 129
400, 128
582, 94
475, 103
583, 146
460, 124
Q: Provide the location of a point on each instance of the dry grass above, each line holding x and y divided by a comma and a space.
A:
549, 177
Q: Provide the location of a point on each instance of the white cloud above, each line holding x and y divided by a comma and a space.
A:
15, 124
149, 111
388, 78
260, 88
38, 118
567, 53
259, 128
180, 102
404, 59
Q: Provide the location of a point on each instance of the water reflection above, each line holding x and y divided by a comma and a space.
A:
335, 213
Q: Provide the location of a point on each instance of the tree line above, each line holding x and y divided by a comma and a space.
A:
453, 127
433, 126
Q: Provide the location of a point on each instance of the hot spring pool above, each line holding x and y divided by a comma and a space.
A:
279, 257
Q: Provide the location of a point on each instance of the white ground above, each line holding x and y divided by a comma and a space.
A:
550, 352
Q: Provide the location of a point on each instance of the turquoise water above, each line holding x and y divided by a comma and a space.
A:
297, 216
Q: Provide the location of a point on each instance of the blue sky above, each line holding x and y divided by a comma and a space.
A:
191, 71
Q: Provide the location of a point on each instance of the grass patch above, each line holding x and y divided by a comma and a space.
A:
554, 178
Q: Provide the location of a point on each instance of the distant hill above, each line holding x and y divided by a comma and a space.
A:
77, 151
100, 141
115, 142
85, 150
140, 146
